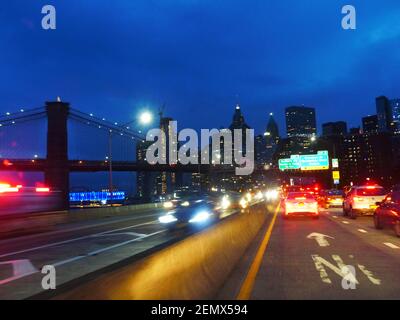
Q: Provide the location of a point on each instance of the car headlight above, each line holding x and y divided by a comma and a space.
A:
243, 203
185, 204
248, 196
200, 217
272, 194
168, 204
259, 195
168, 218
225, 203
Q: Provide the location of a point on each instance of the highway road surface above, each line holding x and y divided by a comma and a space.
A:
330, 258
75, 250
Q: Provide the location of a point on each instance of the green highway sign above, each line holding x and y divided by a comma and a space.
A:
292, 163
319, 161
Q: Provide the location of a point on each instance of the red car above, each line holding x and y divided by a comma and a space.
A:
388, 212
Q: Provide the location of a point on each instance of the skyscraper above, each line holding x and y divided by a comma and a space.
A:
338, 128
165, 181
301, 131
395, 106
271, 138
384, 113
300, 122
370, 124
144, 180
272, 132
238, 122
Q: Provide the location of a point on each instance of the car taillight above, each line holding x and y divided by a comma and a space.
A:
7, 188
42, 189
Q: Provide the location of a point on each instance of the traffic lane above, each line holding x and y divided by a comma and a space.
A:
299, 265
69, 252
71, 231
295, 266
363, 227
76, 257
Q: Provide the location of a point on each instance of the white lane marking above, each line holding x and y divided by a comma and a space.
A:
89, 226
96, 252
71, 240
320, 238
345, 222
321, 263
340, 269
335, 217
391, 245
362, 230
133, 234
21, 268
369, 275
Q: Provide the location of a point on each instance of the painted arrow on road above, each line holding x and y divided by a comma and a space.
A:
320, 238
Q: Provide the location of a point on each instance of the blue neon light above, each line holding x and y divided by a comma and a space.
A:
95, 196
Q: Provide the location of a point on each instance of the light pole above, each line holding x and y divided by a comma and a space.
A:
145, 118
110, 175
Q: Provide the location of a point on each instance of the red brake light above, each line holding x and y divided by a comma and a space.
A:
42, 189
5, 187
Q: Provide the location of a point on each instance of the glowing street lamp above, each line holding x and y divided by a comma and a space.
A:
145, 118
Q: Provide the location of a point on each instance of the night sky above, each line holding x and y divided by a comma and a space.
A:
114, 58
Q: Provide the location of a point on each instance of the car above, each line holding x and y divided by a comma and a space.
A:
361, 200
180, 198
301, 204
16, 199
227, 200
388, 212
331, 198
193, 212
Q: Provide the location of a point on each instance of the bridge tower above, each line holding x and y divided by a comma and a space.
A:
57, 170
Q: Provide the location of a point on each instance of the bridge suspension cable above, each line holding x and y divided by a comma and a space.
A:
102, 123
22, 116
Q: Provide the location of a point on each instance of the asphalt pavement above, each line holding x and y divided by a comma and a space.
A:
75, 250
330, 258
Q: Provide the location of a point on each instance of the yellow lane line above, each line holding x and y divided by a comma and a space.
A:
248, 284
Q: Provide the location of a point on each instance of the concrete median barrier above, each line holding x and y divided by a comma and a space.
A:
193, 268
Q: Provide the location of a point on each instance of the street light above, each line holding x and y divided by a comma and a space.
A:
145, 118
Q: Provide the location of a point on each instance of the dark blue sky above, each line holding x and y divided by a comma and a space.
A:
114, 58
